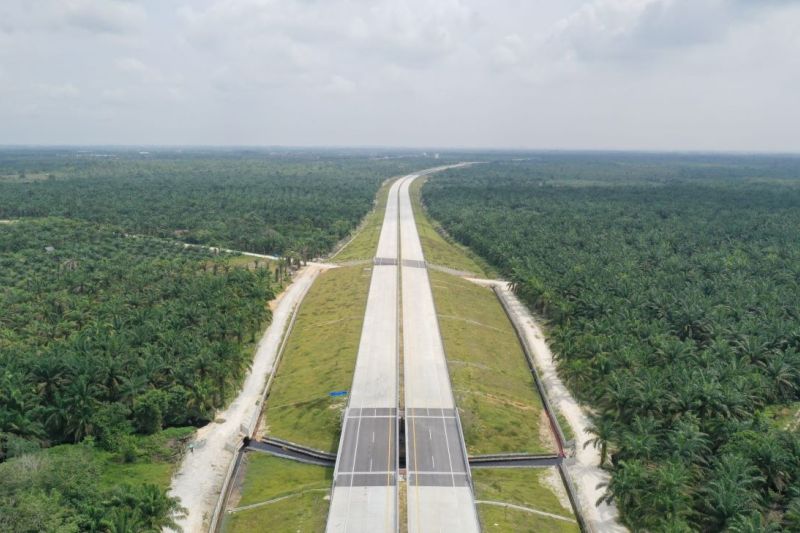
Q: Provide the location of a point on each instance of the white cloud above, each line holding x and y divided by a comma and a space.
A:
60, 91
92, 16
547, 73
339, 85
102, 16
139, 70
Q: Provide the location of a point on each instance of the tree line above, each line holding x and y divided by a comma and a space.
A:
670, 290
245, 200
104, 336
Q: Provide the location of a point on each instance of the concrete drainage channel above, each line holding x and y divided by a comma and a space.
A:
554, 424
248, 431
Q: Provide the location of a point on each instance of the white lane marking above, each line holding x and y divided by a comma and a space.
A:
433, 462
430, 434
435, 370
370, 464
449, 457
352, 479
373, 436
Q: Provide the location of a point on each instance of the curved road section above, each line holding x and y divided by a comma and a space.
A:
439, 486
364, 496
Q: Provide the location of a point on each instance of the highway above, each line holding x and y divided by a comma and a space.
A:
440, 496
364, 497
365, 488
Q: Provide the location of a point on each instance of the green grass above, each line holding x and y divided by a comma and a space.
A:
784, 416
519, 486
365, 242
268, 477
566, 429
504, 520
306, 513
158, 459
437, 249
305, 488
320, 358
501, 410
139, 473
249, 262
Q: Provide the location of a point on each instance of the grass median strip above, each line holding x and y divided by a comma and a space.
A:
320, 357
533, 503
282, 495
501, 410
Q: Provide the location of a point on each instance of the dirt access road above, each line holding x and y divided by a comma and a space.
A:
199, 478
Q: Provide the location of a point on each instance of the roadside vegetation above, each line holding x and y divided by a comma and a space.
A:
439, 250
281, 495
84, 487
524, 487
106, 339
319, 358
278, 203
501, 411
669, 285
364, 243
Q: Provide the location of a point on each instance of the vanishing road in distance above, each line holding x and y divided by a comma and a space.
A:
365, 489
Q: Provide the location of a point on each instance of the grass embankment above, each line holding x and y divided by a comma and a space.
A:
285, 495
365, 242
525, 487
319, 358
250, 263
437, 249
500, 408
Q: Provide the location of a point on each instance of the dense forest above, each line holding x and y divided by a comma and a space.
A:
670, 286
256, 201
103, 337
111, 329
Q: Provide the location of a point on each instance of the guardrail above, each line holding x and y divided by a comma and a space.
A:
299, 448
516, 461
511, 457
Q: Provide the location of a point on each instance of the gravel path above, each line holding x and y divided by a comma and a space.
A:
202, 472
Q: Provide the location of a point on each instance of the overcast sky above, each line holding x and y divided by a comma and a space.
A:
624, 74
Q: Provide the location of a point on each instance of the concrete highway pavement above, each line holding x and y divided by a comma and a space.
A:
435, 456
440, 495
364, 497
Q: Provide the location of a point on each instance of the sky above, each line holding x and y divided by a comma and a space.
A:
718, 75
